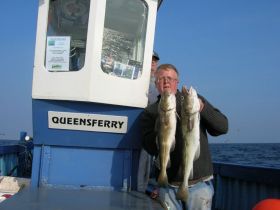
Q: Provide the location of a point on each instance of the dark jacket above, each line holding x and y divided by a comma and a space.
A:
212, 121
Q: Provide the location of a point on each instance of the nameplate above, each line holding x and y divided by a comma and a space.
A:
87, 122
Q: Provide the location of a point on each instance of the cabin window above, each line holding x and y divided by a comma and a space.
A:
66, 35
124, 38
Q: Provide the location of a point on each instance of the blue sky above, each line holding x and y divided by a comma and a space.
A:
228, 50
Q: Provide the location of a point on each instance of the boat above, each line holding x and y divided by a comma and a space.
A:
90, 82
237, 187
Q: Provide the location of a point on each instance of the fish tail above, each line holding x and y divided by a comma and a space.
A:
182, 193
162, 179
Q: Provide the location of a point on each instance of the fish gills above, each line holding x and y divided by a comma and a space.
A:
167, 129
190, 131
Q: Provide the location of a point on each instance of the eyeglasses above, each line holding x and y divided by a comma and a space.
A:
167, 79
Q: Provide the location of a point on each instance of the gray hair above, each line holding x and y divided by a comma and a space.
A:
168, 66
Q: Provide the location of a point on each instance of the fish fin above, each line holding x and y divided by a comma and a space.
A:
171, 149
191, 174
182, 193
197, 152
190, 123
168, 164
162, 179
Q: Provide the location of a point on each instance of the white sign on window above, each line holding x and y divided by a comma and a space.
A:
87, 122
57, 53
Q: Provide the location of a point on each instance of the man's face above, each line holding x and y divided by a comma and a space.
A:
166, 80
154, 65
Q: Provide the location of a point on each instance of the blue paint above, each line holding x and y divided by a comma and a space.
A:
36, 165
85, 159
44, 135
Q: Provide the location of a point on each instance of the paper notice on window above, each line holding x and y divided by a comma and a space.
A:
57, 53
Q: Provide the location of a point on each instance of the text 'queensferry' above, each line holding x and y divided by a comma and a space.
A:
87, 122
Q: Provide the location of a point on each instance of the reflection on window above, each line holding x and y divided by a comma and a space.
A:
67, 34
124, 38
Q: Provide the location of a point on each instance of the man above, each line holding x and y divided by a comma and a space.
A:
153, 93
145, 159
211, 120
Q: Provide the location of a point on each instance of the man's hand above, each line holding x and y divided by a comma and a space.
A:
201, 105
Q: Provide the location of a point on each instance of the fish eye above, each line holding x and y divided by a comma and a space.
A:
182, 100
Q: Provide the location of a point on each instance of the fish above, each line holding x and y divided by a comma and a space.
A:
190, 120
166, 136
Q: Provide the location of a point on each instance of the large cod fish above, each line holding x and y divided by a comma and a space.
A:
167, 129
190, 118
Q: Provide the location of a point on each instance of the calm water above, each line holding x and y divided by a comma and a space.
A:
264, 155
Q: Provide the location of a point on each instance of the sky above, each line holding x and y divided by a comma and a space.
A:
228, 50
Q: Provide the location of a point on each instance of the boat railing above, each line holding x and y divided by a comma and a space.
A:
239, 187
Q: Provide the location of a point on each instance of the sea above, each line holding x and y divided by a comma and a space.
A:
250, 154
259, 155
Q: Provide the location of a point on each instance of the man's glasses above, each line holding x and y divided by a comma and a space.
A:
166, 79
